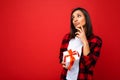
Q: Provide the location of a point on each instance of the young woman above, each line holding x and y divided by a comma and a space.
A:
81, 28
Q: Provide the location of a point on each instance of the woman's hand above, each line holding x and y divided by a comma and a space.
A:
63, 65
81, 34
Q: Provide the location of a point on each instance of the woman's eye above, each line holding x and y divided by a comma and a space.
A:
79, 15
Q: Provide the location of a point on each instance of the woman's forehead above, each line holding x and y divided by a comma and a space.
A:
77, 12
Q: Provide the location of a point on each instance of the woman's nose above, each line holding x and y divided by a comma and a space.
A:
75, 19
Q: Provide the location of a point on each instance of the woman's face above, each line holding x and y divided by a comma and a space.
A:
78, 19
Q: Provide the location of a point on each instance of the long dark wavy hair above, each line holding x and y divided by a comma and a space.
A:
88, 25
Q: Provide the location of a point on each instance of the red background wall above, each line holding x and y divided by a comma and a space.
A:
31, 32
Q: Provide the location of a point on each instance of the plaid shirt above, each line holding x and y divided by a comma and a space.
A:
87, 63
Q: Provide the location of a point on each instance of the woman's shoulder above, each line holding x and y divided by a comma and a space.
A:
66, 36
95, 39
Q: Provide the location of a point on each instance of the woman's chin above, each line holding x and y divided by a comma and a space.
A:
77, 26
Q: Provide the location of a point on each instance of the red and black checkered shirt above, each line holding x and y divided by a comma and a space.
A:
87, 63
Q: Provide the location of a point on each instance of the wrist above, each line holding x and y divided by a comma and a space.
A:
85, 43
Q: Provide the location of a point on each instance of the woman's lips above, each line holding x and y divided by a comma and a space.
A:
76, 24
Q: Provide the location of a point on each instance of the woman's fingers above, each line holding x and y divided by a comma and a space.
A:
78, 36
63, 65
79, 29
82, 28
77, 33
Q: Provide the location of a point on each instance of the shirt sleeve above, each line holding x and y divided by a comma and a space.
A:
64, 45
95, 45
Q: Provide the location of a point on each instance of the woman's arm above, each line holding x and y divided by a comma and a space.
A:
91, 48
91, 54
64, 46
86, 48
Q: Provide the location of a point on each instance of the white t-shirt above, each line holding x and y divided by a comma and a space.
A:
75, 44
